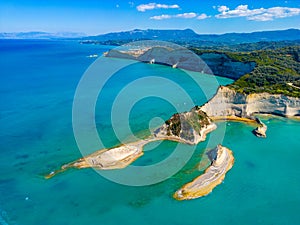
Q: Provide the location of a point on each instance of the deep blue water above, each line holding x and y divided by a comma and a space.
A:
37, 85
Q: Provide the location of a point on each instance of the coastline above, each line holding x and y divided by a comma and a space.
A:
268, 115
234, 118
212, 177
225, 105
207, 130
191, 128
121, 156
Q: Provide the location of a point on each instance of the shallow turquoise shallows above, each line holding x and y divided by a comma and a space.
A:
37, 83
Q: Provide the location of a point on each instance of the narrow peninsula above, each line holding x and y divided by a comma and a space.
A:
268, 83
188, 128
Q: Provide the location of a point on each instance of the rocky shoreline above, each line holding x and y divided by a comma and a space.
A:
227, 104
191, 128
221, 162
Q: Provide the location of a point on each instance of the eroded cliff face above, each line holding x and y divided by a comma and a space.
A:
228, 102
176, 57
222, 65
210, 63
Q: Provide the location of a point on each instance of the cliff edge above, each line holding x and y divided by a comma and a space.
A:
228, 102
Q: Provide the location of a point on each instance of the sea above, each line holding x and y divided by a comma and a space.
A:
39, 80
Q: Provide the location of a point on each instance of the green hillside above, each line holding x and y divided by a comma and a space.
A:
277, 71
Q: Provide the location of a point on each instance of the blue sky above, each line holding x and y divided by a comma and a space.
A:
99, 16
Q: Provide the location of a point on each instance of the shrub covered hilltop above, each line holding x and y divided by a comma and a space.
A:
276, 71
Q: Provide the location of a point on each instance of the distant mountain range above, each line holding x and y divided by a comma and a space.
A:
178, 36
138, 34
40, 35
189, 35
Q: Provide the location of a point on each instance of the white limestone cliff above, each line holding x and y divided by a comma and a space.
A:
227, 102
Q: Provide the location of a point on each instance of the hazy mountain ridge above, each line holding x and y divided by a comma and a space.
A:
189, 35
186, 36
152, 34
39, 35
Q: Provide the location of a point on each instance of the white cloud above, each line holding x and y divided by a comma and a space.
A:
203, 16
186, 15
260, 14
222, 8
182, 15
151, 6
161, 17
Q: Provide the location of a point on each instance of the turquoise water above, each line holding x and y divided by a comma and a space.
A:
38, 82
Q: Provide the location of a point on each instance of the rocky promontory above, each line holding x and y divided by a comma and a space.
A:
221, 162
188, 127
191, 128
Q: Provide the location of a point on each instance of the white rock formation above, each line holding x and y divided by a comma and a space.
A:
228, 102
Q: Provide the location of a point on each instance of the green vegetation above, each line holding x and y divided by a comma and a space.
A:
198, 119
184, 124
244, 47
174, 125
274, 69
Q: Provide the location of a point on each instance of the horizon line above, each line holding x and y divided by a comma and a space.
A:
86, 34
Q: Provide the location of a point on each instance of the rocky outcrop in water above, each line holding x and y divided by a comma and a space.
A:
221, 162
261, 130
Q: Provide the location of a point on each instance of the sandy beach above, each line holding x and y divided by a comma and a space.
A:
233, 118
